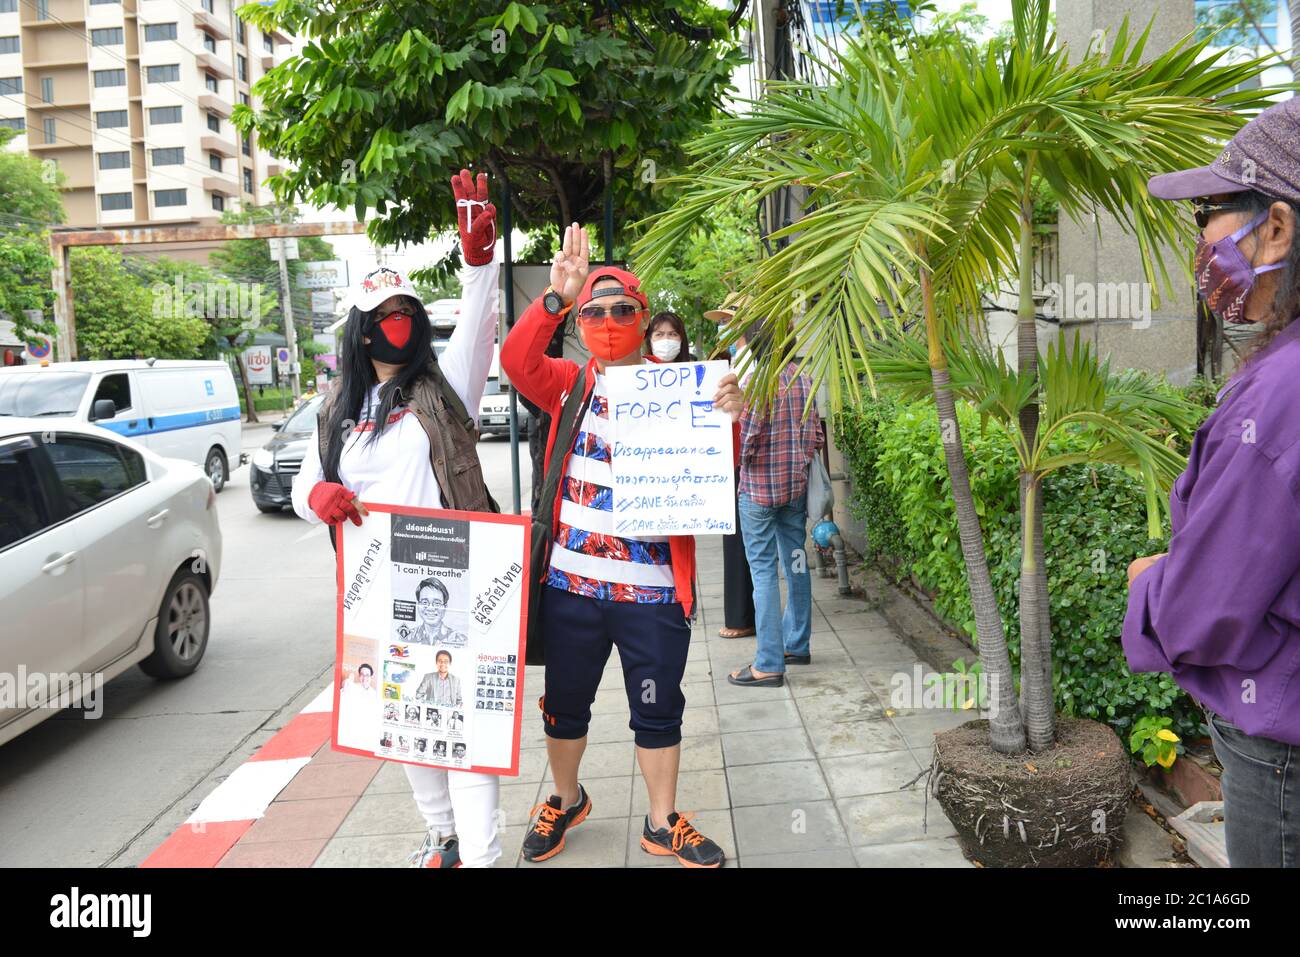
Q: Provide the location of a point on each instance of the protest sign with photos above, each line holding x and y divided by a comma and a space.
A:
431, 620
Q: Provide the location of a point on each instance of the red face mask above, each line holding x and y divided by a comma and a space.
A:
610, 341
397, 328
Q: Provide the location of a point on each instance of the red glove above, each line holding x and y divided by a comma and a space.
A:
333, 504
476, 218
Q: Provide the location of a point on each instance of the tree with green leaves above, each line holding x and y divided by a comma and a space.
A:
120, 317
29, 205
918, 159
555, 99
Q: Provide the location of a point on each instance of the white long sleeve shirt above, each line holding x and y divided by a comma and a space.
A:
394, 469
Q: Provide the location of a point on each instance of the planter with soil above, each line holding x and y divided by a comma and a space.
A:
1062, 807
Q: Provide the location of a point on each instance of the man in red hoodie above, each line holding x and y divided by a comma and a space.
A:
603, 590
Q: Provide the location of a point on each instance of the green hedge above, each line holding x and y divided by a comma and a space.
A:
1094, 524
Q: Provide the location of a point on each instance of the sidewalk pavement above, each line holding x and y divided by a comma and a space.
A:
813, 774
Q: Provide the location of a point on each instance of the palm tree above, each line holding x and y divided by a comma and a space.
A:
917, 159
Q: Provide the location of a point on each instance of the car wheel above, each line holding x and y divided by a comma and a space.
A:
266, 509
215, 466
181, 637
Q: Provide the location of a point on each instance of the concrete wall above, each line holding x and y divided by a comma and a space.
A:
1096, 253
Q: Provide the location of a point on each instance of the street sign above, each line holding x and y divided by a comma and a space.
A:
284, 248
323, 274
282, 355
323, 302
257, 364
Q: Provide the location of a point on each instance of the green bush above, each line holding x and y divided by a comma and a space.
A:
1094, 524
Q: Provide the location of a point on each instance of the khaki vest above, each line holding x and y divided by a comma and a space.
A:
453, 441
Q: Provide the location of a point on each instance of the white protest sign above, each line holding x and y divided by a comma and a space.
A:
671, 451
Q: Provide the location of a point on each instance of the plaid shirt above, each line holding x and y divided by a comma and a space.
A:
776, 449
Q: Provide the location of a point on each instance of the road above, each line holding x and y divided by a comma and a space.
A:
106, 792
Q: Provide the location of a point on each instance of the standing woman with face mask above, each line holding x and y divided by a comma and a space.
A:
665, 338
400, 427
1221, 610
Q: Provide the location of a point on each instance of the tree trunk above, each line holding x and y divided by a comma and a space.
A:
1006, 730
248, 389
1035, 685
1035, 638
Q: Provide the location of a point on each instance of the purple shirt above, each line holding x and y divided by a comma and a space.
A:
1221, 612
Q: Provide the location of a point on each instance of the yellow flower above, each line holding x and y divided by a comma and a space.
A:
1164, 734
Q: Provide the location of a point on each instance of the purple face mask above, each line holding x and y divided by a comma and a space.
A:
1224, 277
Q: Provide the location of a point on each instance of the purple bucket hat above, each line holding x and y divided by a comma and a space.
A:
1263, 156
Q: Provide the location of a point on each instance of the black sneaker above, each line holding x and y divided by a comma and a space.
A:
546, 837
682, 841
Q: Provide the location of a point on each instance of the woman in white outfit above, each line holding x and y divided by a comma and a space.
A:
392, 428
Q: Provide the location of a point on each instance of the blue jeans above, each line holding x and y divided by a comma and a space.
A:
776, 535
1261, 796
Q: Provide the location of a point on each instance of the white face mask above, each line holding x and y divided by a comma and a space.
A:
666, 350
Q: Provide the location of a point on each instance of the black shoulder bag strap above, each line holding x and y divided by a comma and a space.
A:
544, 517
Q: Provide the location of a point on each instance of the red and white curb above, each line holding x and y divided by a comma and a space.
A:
243, 797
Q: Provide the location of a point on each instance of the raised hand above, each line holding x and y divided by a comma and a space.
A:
475, 217
569, 271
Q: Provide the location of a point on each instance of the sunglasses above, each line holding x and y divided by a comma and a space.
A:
624, 313
1203, 209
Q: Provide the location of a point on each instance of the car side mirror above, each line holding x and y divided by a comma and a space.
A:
102, 409
277, 426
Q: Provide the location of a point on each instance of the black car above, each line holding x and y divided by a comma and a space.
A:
274, 465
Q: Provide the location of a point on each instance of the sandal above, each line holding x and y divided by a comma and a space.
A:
746, 678
736, 632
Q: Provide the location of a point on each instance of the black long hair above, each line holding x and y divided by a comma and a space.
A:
358, 377
1285, 307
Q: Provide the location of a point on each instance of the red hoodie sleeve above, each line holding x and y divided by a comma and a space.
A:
541, 378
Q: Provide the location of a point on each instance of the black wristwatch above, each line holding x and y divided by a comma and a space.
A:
553, 303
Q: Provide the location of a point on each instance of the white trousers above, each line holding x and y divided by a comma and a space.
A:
460, 802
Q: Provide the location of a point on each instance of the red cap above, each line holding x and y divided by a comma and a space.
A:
631, 285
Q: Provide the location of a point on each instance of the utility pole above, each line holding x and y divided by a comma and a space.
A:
286, 309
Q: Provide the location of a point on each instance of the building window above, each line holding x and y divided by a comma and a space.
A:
1250, 33
14, 123
42, 9
218, 202
10, 85
119, 159
105, 78
169, 197
241, 62
214, 161
159, 115
167, 73
243, 98
112, 201
210, 82
169, 156
159, 31
8, 6
214, 123
50, 135
240, 33
247, 146
248, 180
209, 44
210, 6
267, 43
47, 89
110, 119
11, 45
107, 37
98, 2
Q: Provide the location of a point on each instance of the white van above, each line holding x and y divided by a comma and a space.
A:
184, 409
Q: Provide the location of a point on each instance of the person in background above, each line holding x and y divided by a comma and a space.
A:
776, 449
1220, 611
665, 338
737, 585
397, 430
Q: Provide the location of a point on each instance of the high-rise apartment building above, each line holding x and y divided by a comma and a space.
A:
131, 99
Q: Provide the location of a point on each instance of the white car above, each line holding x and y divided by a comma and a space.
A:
108, 553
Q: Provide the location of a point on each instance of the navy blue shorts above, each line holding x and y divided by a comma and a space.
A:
653, 641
